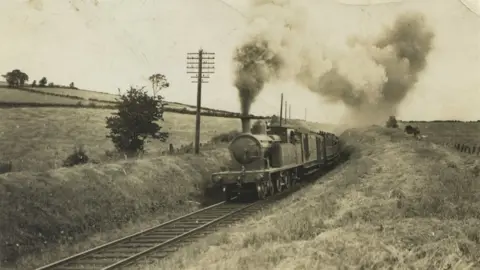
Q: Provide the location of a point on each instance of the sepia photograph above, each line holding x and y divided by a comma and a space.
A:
239, 134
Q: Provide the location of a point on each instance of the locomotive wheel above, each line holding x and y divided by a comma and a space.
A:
278, 184
287, 180
293, 178
270, 188
262, 191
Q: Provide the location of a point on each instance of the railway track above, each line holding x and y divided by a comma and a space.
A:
161, 240
158, 242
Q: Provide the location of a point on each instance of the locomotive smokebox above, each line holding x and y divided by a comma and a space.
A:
246, 124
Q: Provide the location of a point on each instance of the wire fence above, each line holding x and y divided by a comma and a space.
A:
465, 148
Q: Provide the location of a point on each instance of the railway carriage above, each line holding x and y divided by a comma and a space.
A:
266, 160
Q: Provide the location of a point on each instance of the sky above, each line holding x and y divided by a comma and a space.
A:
104, 45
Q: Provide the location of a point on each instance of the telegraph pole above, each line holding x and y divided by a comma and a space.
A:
305, 114
286, 111
198, 64
290, 111
281, 109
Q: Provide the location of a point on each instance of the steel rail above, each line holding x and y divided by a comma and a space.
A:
111, 243
175, 239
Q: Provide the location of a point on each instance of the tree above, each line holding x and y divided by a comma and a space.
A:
43, 82
72, 85
159, 81
135, 120
16, 78
51, 84
34, 83
392, 122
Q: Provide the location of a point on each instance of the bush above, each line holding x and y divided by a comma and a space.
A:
412, 130
79, 156
135, 120
43, 82
392, 122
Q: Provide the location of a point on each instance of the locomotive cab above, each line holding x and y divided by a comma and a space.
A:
285, 133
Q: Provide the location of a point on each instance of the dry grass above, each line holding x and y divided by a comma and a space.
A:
41, 210
38, 139
398, 203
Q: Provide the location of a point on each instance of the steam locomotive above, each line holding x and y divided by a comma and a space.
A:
269, 159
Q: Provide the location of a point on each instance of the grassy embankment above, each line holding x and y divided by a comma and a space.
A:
41, 210
398, 203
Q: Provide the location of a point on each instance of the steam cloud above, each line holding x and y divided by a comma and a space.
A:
371, 79
374, 77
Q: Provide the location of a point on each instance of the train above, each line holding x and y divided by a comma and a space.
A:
269, 158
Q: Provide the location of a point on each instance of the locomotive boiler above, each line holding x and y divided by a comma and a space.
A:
269, 159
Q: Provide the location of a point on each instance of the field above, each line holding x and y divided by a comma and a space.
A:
10, 95
38, 139
86, 94
87, 97
397, 203
449, 132
15, 95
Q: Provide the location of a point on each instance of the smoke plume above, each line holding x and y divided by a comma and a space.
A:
256, 65
371, 78
374, 77
263, 57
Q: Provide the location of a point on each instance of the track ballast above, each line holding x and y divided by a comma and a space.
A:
161, 240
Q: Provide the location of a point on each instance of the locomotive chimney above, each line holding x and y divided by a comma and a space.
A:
245, 124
